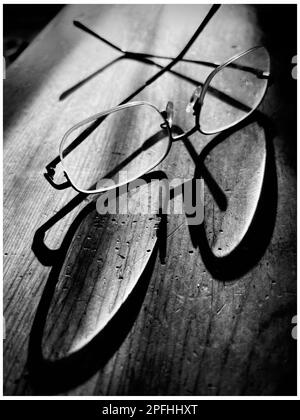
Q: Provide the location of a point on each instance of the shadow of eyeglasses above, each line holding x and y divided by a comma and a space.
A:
254, 242
61, 374
212, 90
146, 59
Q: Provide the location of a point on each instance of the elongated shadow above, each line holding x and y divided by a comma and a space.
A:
257, 238
81, 83
52, 377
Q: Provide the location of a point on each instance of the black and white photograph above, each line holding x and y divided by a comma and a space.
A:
149, 203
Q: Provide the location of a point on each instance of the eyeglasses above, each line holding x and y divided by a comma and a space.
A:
132, 139
125, 142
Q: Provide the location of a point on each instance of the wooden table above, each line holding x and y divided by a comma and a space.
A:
214, 317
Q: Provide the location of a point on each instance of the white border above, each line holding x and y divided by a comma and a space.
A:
132, 398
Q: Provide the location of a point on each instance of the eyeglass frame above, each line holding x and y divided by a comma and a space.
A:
196, 103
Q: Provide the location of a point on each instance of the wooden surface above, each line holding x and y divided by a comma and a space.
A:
211, 318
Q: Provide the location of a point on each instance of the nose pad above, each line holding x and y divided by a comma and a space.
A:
170, 113
195, 96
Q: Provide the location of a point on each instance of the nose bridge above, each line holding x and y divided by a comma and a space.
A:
169, 115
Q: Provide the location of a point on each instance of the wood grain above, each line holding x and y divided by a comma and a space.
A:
206, 319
